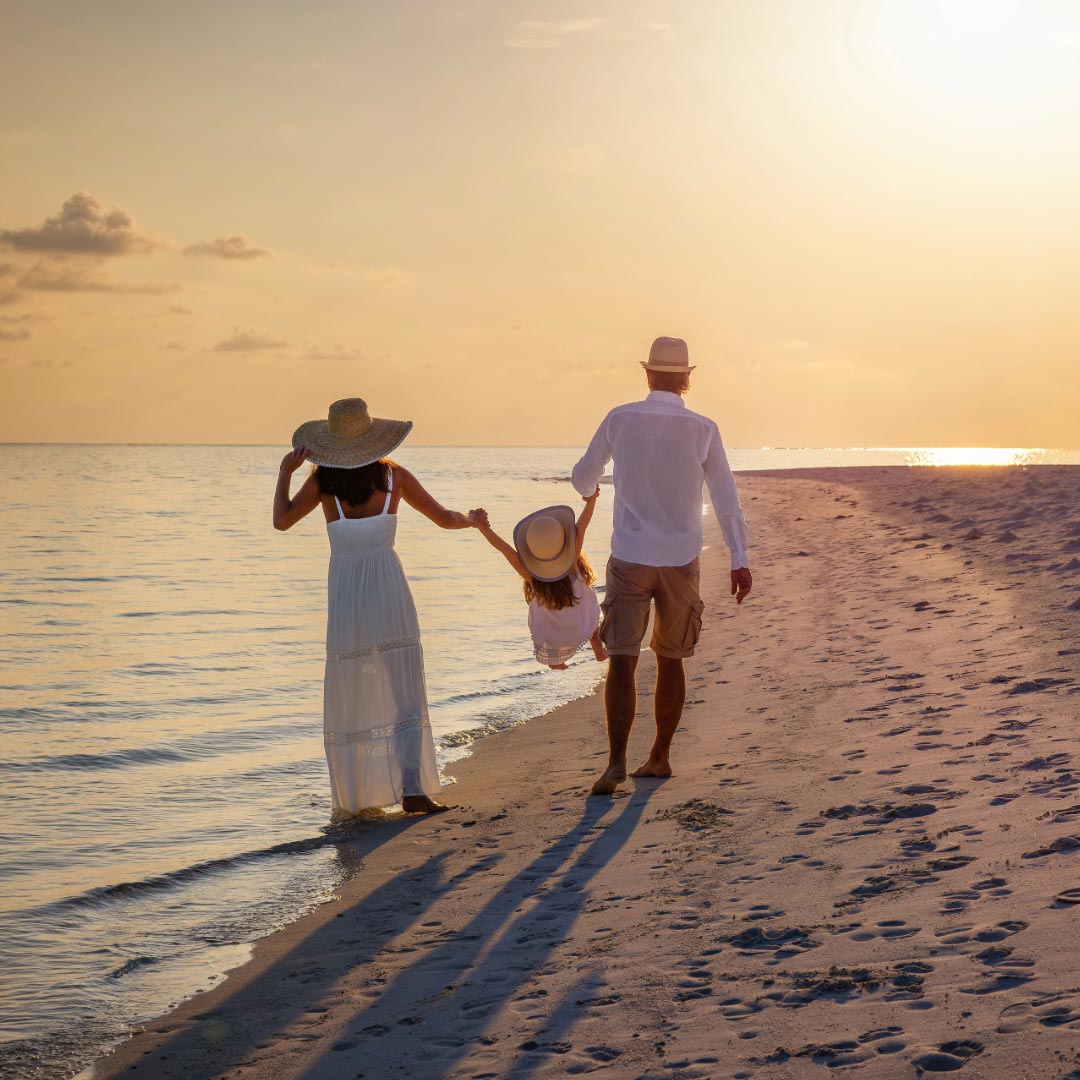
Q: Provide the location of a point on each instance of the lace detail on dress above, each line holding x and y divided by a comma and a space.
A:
372, 650
557, 654
387, 731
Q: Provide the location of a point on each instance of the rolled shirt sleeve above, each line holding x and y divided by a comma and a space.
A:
724, 496
590, 468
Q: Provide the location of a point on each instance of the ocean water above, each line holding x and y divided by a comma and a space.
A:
163, 798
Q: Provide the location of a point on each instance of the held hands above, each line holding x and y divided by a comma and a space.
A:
742, 582
594, 496
294, 459
478, 519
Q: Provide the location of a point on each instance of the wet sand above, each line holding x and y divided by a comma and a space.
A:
860, 862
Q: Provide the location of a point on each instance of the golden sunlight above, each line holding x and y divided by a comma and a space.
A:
980, 16
971, 54
975, 455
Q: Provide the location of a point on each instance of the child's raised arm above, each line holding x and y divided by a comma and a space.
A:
480, 520
585, 517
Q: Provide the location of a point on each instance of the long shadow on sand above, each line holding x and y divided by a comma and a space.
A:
481, 968
212, 1042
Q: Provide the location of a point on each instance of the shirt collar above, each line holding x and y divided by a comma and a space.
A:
666, 396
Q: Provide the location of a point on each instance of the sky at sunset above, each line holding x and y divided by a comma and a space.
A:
863, 215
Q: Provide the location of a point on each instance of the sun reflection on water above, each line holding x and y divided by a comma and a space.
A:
975, 455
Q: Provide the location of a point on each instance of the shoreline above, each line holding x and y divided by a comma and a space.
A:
509, 894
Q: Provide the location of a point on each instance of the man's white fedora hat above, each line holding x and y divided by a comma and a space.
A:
669, 354
546, 542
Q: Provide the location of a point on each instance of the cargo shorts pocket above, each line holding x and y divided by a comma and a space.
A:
693, 625
622, 624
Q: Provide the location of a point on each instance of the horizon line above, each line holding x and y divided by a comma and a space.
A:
567, 446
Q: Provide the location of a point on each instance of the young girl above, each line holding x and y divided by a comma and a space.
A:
564, 613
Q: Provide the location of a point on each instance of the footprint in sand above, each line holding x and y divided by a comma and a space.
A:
949, 1056
960, 935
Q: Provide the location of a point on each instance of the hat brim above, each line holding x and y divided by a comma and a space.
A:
648, 365
557, 568
341, 452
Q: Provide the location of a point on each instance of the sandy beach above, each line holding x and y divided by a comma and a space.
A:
858, 864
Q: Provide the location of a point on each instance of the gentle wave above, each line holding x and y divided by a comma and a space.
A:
104, 894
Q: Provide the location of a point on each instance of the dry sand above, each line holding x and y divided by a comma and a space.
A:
856, 865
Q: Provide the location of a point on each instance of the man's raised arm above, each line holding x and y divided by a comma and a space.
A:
590, 468
725, 503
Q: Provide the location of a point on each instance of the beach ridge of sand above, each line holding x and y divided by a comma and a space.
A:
862, 862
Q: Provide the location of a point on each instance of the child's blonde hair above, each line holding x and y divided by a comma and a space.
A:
557, 595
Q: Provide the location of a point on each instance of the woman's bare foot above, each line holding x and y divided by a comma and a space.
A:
558, 667
422, 804
654, 767
610, 779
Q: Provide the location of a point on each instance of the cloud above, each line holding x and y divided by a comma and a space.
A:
14, 335
545, 34
28, 317
83, 226
248, 341
45, 278
386, 275
228, 247
8, 296
335, 351
179, 309
177, 346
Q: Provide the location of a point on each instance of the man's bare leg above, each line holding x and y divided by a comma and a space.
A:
670, 696
620, 703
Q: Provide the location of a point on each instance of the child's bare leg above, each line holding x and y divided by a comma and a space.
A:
598, 649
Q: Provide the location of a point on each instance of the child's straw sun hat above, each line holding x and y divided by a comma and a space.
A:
546, 542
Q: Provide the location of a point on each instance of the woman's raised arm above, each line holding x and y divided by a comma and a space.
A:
287, 512
418, 497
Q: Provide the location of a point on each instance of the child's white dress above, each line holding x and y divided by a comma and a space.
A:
557, 635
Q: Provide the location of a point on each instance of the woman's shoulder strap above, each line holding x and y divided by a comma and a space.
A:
389, 487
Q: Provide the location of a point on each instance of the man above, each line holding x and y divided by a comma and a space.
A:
664, 454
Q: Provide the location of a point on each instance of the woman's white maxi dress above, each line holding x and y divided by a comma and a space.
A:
375, 716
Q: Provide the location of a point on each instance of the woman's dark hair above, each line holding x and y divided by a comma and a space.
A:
354, 486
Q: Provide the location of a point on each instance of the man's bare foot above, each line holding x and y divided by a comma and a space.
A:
422, 804
654, 768
612, 777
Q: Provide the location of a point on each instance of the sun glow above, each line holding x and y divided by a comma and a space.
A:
974, 455
972, 54
980, 16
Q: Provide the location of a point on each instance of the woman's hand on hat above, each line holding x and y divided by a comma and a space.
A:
294, 459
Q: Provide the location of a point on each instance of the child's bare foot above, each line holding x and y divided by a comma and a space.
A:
422, 804
558, 667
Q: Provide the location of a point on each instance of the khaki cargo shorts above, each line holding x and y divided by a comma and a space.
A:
631, 591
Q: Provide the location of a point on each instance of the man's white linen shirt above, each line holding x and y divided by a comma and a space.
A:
664, 454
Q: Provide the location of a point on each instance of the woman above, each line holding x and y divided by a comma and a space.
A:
375, 717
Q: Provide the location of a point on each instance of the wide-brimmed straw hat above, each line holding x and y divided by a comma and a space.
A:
669, 354
546, 542
350, 436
